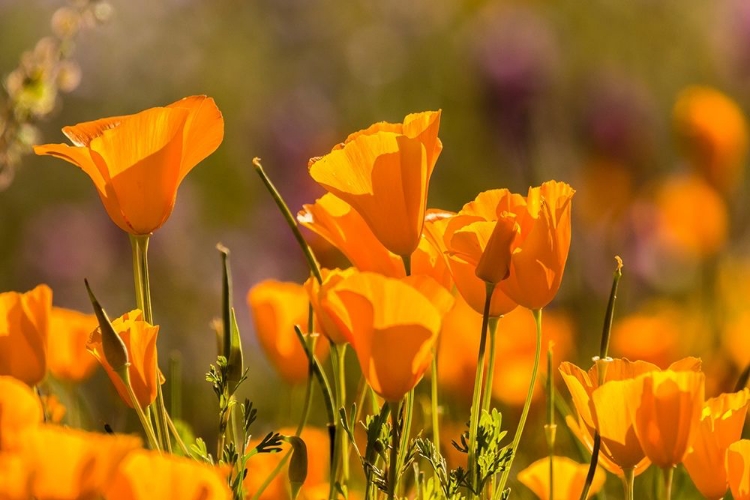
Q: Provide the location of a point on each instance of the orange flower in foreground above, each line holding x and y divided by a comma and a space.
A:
721, 424
68, 464
394, 328
383, 173
19, 409
24, 325
138, 161
570, 477
738, 469
15, 478
139, 338
144, 475
67, 357
276, 307
665, 408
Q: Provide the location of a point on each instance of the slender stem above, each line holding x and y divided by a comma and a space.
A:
628, 481
487, 397
668, 477
340, 469
551, 474
525, 413
407, 264
434, 405
141, 416
320, 375
177, 437
406, 430
475, 404
290, 220
393, 462
592, 466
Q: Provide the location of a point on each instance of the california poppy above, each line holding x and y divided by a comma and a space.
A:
276, 307
15, 478
138, 161
569, 477
67, 358
338, 333
394, 328
144, 475
738, 469
139, 338
383, 173
24, 325
721, 424
19, 409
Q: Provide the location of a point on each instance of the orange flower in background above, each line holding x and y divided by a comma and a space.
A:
570, 476
54, 410
67, 464
665, 408
19, 409
721, 424
24, 325
67, 357
394, 328
144, 475
383, 173
738, 469
139, 338
541, 250
656, 334
276, 307
138, 161
713, 132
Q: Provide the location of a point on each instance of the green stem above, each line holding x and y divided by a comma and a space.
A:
177, 437
139, 411
435, 407
668, 477
487, 397
628, 481
340, 469
525, 413
290, 220
551, 474
407, 264
406, 430
476, 399
393, 461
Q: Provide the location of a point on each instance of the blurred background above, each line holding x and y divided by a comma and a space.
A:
640, 106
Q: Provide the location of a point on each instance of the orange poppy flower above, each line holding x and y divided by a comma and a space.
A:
721, 424
570, 476
67, 357
139, 338
383, 173
15, 478
19, 409
713, 131
604, 408
68, 464
138, 161
24, 325
276, 307
541, 249
144, 475
394, 328
260, 466
738, 469
665, 409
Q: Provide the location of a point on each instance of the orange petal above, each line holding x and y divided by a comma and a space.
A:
738, 469
67, 357
203, 133
569, 477
83, 133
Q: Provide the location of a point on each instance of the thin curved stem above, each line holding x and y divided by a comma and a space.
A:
668, 478
434, 405
628, 481
487, 397
393, 461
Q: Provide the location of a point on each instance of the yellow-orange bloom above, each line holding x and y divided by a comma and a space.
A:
570, 477
67, 358
721, 424
15, 478
335, 331
139, 338
24, 325
738, 469
394, 328
144, 475
138, 161
383, 173
19, 409
276, 307
541, 250
665, 409
713, 131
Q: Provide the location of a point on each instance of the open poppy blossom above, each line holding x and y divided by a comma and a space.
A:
138, 161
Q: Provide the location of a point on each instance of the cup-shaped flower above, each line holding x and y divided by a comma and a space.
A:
67, 464
144, 475
67, 358
383, 173
335, 331
738, 469
394, 328
138, 161
139, 338
541, 249
276, 308
24, 325
19, 409
721, 424
569, 477
665, 408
